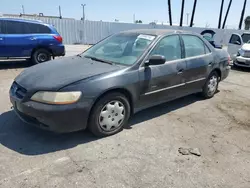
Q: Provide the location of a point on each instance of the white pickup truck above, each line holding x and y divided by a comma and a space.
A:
239, 49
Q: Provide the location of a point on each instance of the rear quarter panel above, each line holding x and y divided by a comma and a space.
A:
221, 58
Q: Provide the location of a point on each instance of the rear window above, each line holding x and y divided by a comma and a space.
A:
13, 27
38, 28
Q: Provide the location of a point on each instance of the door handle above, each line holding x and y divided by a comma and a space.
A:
210, 64
1, 38
32, 38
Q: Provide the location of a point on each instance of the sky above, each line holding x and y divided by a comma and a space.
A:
207, 11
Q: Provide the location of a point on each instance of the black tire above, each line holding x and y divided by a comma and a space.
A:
40, 55
94, 125
207, 94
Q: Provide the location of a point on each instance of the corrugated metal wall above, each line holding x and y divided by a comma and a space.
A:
90, 32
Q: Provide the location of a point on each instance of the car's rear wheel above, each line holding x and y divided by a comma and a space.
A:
109, 115
211, 85
40, 56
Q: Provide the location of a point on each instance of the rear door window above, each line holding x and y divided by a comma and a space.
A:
2, 27
15, 27
194, 46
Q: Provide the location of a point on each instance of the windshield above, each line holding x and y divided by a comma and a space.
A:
123, 48
246, 38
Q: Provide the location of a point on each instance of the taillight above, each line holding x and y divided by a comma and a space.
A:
58, 38
229, 59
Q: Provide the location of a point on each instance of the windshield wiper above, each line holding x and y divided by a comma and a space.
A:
100, 60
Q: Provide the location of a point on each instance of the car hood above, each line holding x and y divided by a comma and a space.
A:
246, 47
53, 75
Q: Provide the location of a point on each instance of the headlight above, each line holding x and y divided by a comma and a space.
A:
56, 97
241, 52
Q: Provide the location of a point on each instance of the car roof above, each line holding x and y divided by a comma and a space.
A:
21, 20
157, 32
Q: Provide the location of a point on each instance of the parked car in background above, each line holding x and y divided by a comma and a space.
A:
117, 77
236, 42
243, 56
29, 39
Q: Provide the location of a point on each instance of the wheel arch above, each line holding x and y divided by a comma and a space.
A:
123, 91
41, 47
218, 71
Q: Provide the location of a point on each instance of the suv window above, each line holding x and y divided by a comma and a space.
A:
194, 46
38, 28
234, 38
1, 26
13, 27
245, 37
169, 47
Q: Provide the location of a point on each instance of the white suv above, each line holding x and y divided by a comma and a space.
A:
239, 49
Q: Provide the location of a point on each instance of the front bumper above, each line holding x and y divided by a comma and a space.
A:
56, 118
242, 61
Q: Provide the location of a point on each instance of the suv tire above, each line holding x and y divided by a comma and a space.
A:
41, 55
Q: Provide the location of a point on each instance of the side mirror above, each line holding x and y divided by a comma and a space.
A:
237, 43
155, 60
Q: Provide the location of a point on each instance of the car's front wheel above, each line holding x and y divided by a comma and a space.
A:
40, 56
211, 85
109, 115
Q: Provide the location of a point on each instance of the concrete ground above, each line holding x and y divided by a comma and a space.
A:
145, 154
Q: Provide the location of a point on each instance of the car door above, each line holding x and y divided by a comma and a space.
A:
19, 41
234, 45
164, 82
2, 38
199, 61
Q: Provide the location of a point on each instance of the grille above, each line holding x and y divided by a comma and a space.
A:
246, 54
18, 90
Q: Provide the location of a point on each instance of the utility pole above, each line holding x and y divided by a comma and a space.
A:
221, 10
60, 13
83, 11
134, 18
23, 9
182, 10
84, 25
187, 18
242, 14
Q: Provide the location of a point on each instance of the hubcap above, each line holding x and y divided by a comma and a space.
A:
212, 85
42, 57
112, 115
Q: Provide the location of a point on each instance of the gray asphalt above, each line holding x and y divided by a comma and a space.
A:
145, 154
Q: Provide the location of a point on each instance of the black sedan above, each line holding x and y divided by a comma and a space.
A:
119, 76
